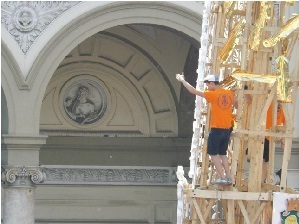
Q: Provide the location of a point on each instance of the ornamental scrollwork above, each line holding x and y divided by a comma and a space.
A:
22, 176
140, 176
26, 20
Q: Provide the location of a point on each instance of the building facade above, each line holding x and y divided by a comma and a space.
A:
93, 121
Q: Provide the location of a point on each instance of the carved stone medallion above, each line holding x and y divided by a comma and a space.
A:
25, 19
85, 101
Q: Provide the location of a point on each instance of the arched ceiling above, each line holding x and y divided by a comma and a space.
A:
137, 64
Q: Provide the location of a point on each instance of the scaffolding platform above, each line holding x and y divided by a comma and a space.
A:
249, 44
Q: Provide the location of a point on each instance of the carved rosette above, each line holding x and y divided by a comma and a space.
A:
22, 176
26, 20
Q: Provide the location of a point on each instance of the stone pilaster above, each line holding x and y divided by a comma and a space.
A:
18, 193
21, 150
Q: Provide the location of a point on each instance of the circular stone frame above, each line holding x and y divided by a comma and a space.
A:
84, 101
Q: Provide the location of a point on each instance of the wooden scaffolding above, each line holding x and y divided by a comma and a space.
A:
247, 44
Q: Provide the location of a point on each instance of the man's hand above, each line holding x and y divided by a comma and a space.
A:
190, 88
180, 77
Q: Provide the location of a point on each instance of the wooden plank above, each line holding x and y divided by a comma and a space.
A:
235, 159
266, 107
265, 187
262, 134
230, 211
205, 157
246, 34
272, 145
218, 33
288, 141
257, 214
234, 195
285, 162
208, 210
224, 209
239, 12
256, 156
198, 212
271, 161
241, 119
252, 118
193, 214
244, 212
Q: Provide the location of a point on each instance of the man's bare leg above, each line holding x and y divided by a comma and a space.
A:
225, 165
218, 164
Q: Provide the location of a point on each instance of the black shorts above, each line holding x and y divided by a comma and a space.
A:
218, 141
266, 150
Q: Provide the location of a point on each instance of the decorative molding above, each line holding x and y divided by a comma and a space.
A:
22, 176
26, 20
31, 142
122, 134
110, 175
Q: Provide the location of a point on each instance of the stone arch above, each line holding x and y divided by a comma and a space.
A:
133, 72
174, 15
7, 96
4, 114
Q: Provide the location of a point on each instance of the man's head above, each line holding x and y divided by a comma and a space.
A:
212, 81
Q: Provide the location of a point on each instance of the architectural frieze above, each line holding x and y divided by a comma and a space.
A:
26, 20
22, 176
110, 175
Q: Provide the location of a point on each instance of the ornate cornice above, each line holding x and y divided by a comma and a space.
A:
26, 20
110, 175
22, 176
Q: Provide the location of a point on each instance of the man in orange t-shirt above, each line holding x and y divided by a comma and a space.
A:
280, 120
221, 101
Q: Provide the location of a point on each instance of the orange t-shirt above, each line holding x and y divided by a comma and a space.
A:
280, 117
221, 101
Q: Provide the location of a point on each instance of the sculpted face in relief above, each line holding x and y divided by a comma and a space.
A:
85, 102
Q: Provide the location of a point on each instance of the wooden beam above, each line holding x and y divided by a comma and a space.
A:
244, 212
209, 207
198, 211
262, 133
266, 107
233, 195
257, 214
230, 211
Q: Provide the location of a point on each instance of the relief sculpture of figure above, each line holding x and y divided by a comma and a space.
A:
81, 108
